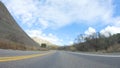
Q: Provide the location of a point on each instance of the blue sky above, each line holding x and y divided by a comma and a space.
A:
60, 21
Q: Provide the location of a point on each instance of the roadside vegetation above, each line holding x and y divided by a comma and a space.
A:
95, 43
6, 44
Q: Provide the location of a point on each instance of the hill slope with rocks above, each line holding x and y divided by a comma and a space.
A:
11, 34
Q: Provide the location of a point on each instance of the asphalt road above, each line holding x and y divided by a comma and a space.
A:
61, 59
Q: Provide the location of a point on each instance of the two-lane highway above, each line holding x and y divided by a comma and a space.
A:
63, 59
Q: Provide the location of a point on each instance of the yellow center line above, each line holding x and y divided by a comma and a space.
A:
14, 58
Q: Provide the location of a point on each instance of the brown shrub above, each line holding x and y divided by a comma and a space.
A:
6, 44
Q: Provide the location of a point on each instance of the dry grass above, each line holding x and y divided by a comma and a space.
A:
114, 48
6, 44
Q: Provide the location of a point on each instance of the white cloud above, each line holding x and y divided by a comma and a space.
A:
71, 42
50, 37
116, 21
105, 31
34, 33
59, 13
90, 31
110, 29
44, 23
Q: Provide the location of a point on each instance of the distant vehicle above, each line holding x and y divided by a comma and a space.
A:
43, 45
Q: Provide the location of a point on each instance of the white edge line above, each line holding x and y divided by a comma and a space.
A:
95, 54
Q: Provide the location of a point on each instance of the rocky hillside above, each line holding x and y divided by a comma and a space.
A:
11, 35
41, 41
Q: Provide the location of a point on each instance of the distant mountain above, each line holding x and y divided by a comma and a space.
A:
50, 45
11, 33
40, 41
